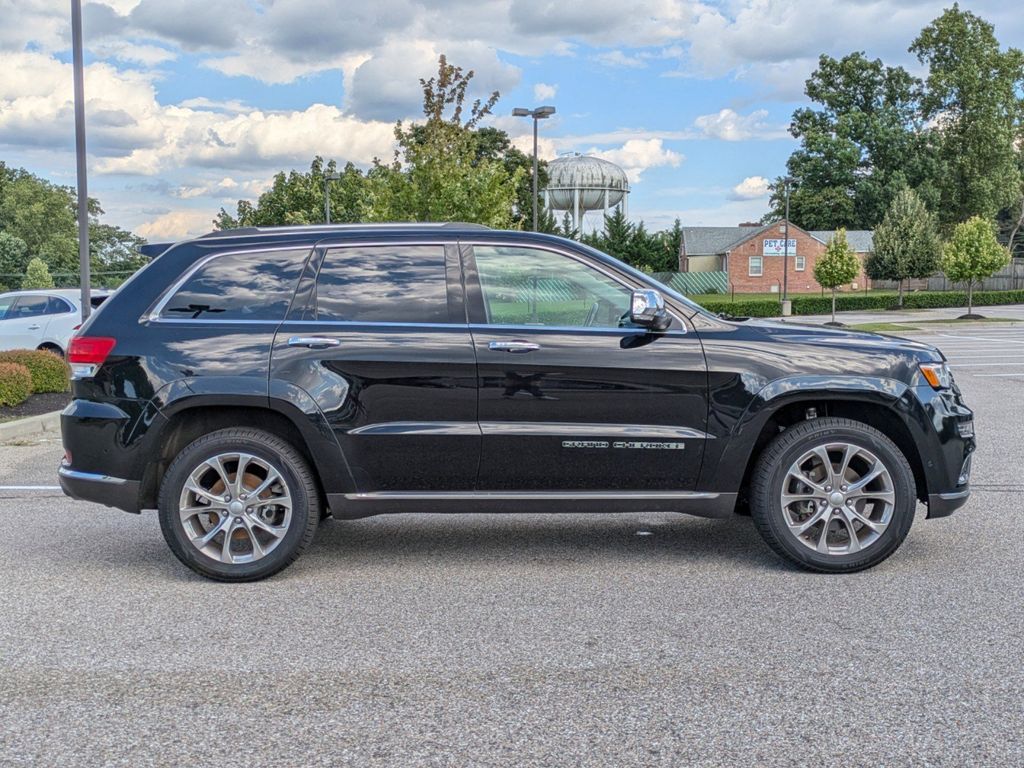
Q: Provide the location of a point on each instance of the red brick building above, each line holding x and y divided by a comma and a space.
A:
753, 255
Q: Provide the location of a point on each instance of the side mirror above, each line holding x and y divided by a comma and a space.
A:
648, 310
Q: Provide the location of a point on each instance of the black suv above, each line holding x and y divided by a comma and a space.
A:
250, 382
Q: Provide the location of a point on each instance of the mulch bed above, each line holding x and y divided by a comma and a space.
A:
35, 405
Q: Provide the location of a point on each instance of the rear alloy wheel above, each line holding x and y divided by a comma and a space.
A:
238, 505
833, 495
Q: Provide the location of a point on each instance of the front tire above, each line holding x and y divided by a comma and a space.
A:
238, 505
833, 495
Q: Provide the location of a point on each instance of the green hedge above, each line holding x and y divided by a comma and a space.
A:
49, 371
15, 384
822, 305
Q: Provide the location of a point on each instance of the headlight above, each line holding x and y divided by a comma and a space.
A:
937, 374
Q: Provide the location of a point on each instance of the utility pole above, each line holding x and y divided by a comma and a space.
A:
83, 187
328, 178
787, 181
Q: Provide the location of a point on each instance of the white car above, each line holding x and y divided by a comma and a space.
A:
42, 319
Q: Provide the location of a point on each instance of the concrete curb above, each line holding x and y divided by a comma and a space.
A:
31, 426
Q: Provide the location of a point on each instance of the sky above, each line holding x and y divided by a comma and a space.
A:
194, 104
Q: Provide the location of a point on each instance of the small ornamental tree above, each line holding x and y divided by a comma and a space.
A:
837, 266
37, 275
972, 254
906, 243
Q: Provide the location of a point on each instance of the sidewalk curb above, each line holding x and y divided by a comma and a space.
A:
30, 426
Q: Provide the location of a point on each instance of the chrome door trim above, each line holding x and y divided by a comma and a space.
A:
515, 346
526, 495
313, 342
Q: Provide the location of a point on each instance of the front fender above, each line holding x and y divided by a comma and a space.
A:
726, 462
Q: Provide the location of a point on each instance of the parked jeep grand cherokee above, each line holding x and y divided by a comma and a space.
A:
249, 382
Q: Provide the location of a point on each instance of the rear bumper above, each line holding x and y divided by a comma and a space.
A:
101, 489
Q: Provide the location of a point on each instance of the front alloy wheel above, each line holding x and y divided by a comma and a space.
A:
238, 505
833, 495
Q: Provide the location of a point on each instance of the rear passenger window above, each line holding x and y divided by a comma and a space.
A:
383, 284
240, 286
57, 306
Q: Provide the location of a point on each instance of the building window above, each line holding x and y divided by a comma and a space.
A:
801, 263
756, 266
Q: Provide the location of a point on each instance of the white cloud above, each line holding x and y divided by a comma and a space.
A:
176, 225
544, 91
619, 59
130, 132
639, 155
751, 188
728, 125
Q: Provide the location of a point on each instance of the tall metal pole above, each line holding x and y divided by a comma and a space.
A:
785, 262
83, 188
535, 121
327, 200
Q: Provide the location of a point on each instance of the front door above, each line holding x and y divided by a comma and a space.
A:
571, 396
383, 348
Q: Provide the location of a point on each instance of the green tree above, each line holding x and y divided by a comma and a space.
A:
858, 145
438, 173
13, 260
37, 276
906, 243
972, 254
837, 266
971, 97
298, 198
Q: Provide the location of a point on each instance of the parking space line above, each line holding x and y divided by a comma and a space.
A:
29, 487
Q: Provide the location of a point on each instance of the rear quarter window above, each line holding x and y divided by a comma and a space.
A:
239, 286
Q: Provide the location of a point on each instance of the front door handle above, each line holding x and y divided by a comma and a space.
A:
513, 346
313, 342
34, 327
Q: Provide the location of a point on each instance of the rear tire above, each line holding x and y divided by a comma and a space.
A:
833, 495
238, 504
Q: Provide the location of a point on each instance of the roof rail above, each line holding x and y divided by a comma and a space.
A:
242, 231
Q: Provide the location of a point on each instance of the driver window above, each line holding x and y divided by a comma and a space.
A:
526, 286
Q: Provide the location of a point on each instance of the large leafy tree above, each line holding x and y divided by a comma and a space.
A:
838, 266
971, 97
972, 254
859, 144
438, 172
298, 198
38, 219
906, 243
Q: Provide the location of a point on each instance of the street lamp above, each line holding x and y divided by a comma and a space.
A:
328, 178
537, 114
787, 182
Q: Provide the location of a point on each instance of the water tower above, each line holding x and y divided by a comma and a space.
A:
581, 183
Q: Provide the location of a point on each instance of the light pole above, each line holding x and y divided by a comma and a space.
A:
537, 114
83, 189
328, 178
787, 182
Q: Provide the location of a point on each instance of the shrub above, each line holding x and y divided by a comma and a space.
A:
37, 275
15, 383
852, 302
49, 372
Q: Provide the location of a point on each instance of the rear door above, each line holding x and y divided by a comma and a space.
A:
25, 322
571, 396
379, 340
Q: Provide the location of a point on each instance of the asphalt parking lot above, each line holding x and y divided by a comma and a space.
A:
524, 640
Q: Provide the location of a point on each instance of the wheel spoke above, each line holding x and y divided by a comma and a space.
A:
257, 548
822, 545
202, 541
277, 531
225, 549
849, 451
193, 487
243, 461
822, 453
800, 528
852, 514
876, 471
854, 545
272, 477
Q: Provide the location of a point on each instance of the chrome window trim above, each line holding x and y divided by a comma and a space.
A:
473, 243
153, 315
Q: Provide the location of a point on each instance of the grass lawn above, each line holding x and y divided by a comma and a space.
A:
883, 327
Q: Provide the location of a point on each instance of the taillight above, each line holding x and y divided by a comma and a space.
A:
87, 353
92, 350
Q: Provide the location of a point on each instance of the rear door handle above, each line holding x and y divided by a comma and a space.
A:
313, 342
513, 346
